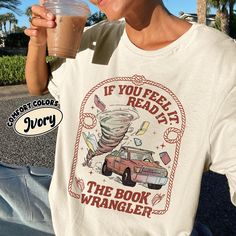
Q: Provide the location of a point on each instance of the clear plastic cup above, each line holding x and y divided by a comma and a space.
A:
71, 15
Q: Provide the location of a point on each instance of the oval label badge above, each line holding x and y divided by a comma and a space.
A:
38, 121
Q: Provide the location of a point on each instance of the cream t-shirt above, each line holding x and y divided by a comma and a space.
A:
139, 128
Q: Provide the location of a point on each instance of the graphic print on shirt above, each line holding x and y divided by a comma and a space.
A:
127, 146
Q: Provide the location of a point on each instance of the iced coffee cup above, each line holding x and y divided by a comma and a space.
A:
71, 15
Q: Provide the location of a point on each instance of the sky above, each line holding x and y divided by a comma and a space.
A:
174, 6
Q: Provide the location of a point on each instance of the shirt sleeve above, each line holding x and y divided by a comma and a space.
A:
223, 142
57, 71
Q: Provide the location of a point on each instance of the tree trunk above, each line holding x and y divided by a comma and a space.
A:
201, 11
224, 20
9, 26
14, 27
5, 27
218, 20
231, 16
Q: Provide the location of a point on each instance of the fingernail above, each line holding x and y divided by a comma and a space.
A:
49, 15
50, 23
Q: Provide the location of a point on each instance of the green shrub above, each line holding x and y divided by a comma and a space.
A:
12, 70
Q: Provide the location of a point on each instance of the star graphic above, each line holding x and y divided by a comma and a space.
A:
163, 145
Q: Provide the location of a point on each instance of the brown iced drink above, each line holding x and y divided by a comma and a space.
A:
64, 40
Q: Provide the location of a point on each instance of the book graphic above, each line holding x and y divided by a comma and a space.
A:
165, 157
91, 141
138, 142
99, 104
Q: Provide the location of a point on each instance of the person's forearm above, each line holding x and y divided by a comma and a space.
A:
36, 71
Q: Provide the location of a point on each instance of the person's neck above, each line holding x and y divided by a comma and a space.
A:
156, 31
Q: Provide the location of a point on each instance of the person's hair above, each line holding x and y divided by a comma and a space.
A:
161, 2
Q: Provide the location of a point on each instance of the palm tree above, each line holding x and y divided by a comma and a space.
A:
28, 12
3, 21
95, 18
12, 19
11, 5
14, 22
7, 18
222, 15
201, 11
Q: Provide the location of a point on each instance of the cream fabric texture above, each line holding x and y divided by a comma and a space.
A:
139, 128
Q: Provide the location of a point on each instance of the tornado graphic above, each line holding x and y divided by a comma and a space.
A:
114, 124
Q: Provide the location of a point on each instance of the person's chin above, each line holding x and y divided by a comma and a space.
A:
113, 17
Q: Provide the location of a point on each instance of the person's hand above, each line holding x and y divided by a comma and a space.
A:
41, 20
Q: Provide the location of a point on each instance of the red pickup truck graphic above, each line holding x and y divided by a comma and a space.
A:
135, 166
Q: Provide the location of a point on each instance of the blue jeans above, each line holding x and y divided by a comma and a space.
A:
24, 206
